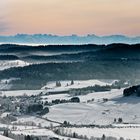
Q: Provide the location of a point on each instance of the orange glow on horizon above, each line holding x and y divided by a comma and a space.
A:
101, 17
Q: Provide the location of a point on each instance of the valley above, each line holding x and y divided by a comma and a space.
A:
69, 92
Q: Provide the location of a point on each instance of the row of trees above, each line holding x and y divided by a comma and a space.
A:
37, 108
61, 71
119, 120
89, 89
61, 101
58, 83
70, 134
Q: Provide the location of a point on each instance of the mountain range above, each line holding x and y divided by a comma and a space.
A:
48, 39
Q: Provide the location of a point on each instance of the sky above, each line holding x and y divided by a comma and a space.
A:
65, 17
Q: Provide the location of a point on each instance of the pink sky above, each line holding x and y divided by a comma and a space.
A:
64, 17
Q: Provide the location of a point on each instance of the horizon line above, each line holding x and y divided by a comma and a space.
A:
67, 35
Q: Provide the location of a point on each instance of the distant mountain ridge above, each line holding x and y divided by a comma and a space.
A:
34, 66
72, 39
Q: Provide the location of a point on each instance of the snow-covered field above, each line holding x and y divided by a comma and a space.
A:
66, 85
41, 132
4, 138
92, 109
21, 92
51, 87
35, 132
5, 84
38, 121
12, 63
4, 114
98, 96
17, 127
127, 133
98, 111
49, 98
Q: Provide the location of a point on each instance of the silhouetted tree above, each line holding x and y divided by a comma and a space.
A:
75, 99
58, 84
72, 82
120, 120
103, 137
5, 133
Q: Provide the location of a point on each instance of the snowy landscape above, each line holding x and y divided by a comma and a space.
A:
96, 114
57, 93
69, 69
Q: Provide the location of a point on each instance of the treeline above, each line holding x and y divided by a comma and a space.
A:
70, 134
61, 101
8, 57
114, 52
36, 76
134, 90
86, 90
20, 48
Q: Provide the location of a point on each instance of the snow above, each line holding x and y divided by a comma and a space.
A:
70, 112
98, 111
4, 138
21, 92
37, 121
130, 133
89, 132
18, 127
49, 98
97, 96
35, 132
41, 132
84, 98
5, 84
92, 109
4, 114
51, 86
6, 64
